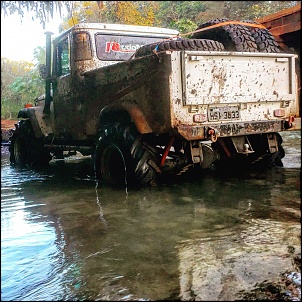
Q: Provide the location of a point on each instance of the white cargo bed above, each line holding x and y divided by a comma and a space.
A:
225, 77
232, 90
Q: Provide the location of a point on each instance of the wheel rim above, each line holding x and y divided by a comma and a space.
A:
113, 166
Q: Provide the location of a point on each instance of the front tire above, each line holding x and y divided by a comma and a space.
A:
25, 149
19, 150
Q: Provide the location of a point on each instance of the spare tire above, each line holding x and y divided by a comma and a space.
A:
179, 44
234, 37
264, 39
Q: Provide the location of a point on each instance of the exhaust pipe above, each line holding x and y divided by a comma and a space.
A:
48, 97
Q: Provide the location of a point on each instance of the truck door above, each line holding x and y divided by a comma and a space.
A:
62, 89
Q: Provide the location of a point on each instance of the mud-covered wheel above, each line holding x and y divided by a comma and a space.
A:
264, 39
262, 157
180, 44
19, 150
234, 37
122, 157
25, 149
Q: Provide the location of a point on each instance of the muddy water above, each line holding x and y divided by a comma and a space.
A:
64, 238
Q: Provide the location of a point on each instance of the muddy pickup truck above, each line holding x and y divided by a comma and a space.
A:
144, 102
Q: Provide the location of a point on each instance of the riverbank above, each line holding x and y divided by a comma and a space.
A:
286, 288
7, 127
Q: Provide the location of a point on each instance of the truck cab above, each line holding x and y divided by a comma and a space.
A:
80, 49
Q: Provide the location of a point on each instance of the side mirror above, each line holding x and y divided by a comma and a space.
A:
43, 71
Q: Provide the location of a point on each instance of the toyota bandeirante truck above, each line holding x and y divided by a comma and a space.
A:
145, 102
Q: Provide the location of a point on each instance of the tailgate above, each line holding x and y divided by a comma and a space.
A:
235, 93
225, 78
237, 77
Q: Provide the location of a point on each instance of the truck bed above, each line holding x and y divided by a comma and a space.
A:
234, 93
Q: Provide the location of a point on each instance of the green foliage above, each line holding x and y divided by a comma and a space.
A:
125, 12
28, 87
184, 26
20, 83
180, 15
240, 10
39, 55
42, 9
185, 16
81, 11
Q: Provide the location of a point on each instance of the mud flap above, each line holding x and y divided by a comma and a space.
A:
272, 142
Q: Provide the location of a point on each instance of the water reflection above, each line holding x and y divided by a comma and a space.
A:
66, 238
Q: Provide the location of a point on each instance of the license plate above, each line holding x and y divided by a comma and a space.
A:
223, 113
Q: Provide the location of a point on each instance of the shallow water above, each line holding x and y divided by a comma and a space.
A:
65, 238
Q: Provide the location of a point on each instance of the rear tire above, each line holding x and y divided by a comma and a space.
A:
122, 157
261, 159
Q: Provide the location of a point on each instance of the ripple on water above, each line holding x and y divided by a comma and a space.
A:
205, 240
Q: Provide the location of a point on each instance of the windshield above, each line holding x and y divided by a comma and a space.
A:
118, 47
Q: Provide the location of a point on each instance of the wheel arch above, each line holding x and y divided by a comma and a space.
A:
29, 113
127, 111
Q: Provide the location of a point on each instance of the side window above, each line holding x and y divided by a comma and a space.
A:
63, 58
82, 47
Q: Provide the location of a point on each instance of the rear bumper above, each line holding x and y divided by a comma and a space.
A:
235, 129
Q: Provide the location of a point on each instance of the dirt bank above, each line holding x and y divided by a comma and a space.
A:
7, 127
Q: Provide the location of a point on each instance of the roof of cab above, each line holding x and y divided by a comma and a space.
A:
123, 28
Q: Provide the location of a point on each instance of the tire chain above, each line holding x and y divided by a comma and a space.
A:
37, 155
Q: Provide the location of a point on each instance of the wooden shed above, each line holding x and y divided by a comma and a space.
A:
285, 26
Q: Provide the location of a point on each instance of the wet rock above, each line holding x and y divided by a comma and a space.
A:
286, 288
